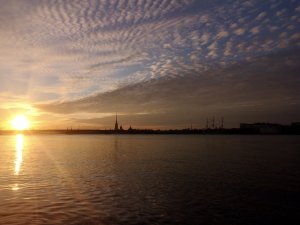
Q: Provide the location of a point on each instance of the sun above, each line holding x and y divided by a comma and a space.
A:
20, 123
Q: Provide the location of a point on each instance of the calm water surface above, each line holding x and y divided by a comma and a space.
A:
149, 179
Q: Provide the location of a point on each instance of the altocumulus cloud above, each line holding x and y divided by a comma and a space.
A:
246, 91
133, 56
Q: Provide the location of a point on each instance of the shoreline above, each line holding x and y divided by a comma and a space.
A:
230, 131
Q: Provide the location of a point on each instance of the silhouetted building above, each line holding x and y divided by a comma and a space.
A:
116, 123
295, 124
294, 128
261, 128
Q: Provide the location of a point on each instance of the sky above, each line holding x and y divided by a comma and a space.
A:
157, 63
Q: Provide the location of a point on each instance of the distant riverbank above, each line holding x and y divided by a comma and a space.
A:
231, 131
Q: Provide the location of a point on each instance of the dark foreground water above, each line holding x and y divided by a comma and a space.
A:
149, 179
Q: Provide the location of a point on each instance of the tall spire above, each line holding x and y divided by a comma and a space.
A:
116, 124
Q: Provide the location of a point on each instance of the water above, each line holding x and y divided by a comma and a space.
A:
149, 179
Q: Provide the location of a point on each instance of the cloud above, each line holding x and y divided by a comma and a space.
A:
222, 34
69, 50
261, 16
280, 12
193, 57
296, 36
213, 50
229, 91
239, 31
228, 48
255, 30
205, 38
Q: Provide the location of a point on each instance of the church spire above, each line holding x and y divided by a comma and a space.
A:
116, 124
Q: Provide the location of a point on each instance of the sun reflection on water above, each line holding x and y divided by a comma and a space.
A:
15, 187
19, 153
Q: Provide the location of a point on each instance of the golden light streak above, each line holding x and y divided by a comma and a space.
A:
19, 153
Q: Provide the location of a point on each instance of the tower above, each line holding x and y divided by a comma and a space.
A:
222, 123
116, 124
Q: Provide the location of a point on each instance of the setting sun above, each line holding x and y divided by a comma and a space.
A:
20, 123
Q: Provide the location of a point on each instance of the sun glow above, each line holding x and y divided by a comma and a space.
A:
20, 123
